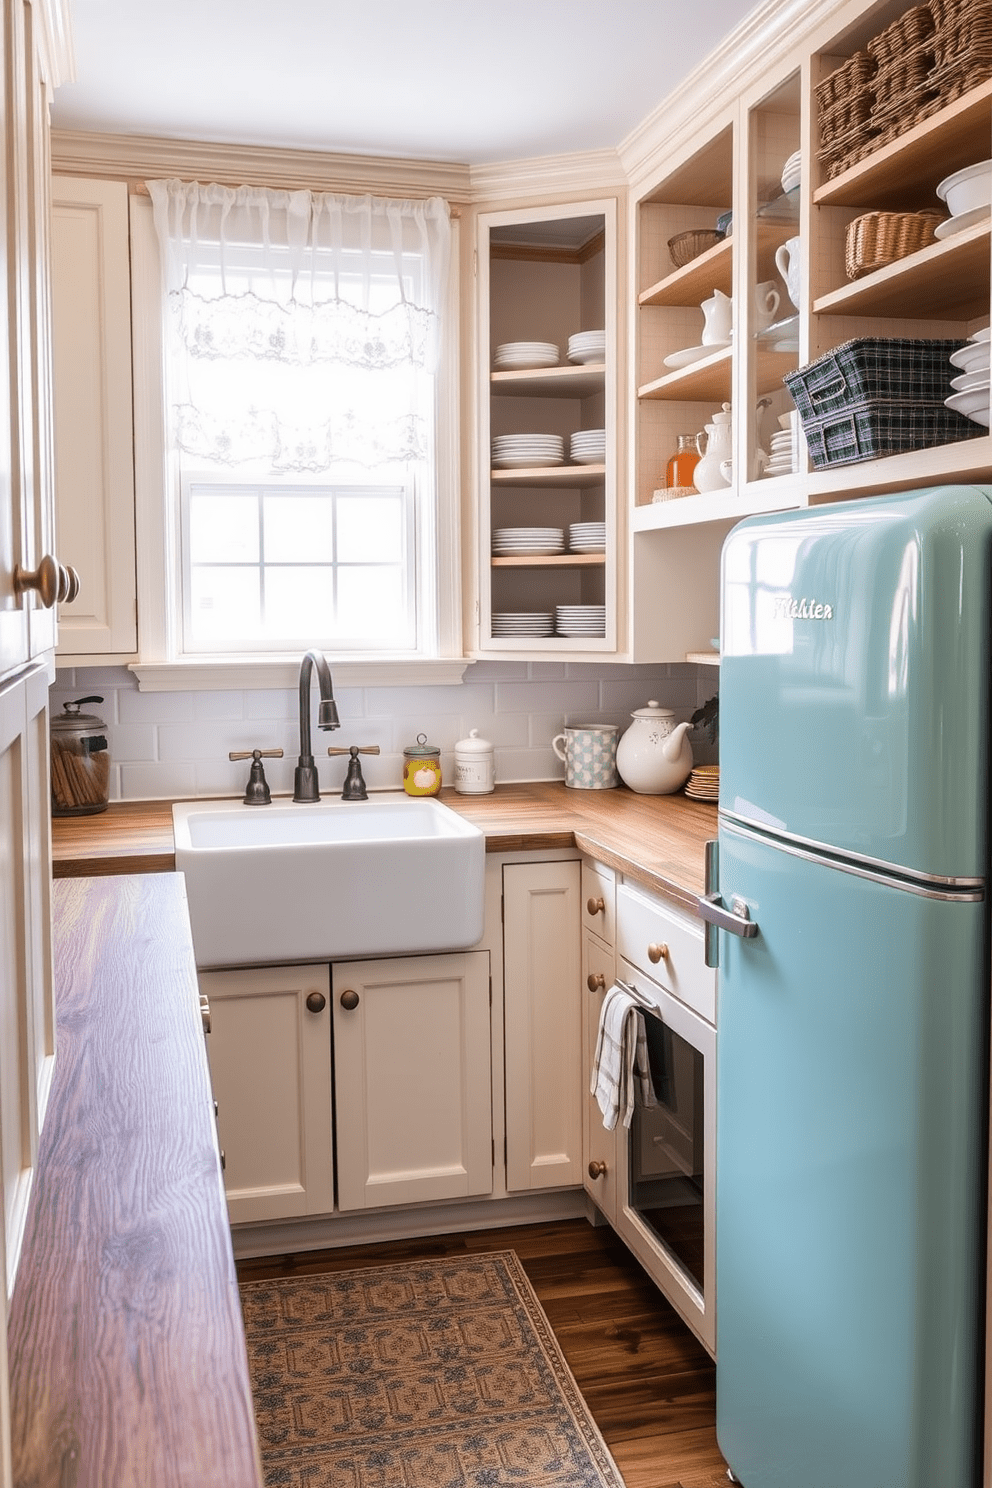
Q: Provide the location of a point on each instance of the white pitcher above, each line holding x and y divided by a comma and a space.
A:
787, 261
718, 316
709, 473
766, 303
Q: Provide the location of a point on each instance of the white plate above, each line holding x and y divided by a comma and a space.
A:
692, 354
523, 462
983, 335
961, 221
970, 358
974, 405
583, 358
971, 380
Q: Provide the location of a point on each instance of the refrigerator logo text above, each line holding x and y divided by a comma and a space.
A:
787, 608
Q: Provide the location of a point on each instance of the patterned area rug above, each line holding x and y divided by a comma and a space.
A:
433, 1374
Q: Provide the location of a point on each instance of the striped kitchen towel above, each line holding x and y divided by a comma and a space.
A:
620, 1071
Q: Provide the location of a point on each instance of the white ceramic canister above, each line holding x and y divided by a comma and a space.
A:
589, 751
475, 771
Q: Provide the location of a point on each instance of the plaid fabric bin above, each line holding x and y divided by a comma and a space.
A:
896, 369
875, 429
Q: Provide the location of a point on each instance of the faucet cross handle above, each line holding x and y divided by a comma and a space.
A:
257, 791
354, 784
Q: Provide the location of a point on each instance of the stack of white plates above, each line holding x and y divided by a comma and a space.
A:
517, 356
780, 455
792, 171
508, 541
972, 393
587, 537
587, 346
517, 451
588, 446
704, 783
580, 620
523, 623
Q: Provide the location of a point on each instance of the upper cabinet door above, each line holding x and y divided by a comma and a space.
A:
94, 465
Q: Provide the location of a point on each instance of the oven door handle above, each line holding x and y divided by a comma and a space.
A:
737, 919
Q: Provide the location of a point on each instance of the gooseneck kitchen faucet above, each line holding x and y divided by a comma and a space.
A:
305, 786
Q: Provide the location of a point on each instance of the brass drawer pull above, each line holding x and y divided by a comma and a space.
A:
349, 1000
316, 1002
595, 981
657, 952
597, 1170
595, 906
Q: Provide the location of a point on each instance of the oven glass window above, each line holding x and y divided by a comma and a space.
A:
666, 1148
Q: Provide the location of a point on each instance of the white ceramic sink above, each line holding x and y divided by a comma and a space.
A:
297, 882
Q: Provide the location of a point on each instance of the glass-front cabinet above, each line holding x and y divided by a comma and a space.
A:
548, 431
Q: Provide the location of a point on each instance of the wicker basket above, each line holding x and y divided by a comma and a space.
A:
904, 35
686, 246
878, 428
879, 238
895, 369
850, 77
962, 47
849, 148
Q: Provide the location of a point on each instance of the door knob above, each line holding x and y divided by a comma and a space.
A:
316, 1002
595, 981
349, 1000
46, 580
597, 1170
595, 906
658, 952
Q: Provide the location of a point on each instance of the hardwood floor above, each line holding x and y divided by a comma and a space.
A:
649, 1383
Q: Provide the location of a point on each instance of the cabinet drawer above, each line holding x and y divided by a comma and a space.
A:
668, 947
599, 901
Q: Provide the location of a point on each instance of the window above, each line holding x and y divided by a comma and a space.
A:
302, 376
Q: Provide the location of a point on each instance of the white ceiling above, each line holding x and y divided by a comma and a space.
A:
470, 81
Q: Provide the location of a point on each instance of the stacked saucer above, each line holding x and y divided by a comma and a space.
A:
511, 541
517, 451
588, 446
587, 537
792, 171
587, 346
518, 356
780, 461
523, 623
972, 391
580, 620
704, 783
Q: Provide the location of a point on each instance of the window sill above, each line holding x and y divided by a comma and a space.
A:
215, 675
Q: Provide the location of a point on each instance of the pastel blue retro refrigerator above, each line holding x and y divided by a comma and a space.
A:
852, 1042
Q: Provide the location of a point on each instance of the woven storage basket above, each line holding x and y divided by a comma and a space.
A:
904, 34
896, 369
847, 149
897, 84
841, 118
686, 246
849, 78
962, 47
879, 238
872, 430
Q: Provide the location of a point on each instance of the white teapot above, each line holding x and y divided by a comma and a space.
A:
654, 757
709, 473
718, 316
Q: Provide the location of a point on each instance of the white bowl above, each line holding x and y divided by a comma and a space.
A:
968, 188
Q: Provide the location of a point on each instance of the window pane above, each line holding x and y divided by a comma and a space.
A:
223, 528
370, 529
298, 528
299, 602
224, 604
372, 600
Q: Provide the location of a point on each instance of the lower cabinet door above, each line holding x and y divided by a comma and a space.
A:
599, 1146
412, 1079
270, 1062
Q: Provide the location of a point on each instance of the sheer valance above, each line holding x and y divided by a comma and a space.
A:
305, 326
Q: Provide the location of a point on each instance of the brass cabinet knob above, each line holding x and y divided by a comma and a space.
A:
595, 981
597, 1170
316, 1002
68, 583
657, 952
349, 1000
46, 580
595, 906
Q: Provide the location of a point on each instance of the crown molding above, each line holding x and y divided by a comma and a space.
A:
768, 33
549, 177
55, 35
143, 157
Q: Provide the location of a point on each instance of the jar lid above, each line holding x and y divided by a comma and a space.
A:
473, 744
73, 719
422, 750
654, 709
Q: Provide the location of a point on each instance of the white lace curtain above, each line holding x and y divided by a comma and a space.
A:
305, 326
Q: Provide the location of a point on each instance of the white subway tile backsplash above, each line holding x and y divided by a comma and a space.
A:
158, 782
156, 707
566, 697
132, 742
211, 707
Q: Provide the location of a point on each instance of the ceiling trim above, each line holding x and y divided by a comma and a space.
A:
148, 157
550, 177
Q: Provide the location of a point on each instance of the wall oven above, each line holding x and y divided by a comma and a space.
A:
666, 1162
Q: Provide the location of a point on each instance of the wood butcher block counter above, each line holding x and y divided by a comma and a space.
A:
126, 1348
656, 840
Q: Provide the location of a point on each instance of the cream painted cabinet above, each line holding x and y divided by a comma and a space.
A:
270, 1061
94, 460
599, 1146
542, 1013
412, 1079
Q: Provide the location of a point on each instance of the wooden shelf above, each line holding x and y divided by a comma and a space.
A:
551, 475
705, 380
907, 171
945, 280
696, 280
550, 382
781, 494
549, 560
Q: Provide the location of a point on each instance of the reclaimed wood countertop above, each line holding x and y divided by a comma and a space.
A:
656, 840
126, 1347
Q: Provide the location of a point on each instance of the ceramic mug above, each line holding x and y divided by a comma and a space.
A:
589, 752
788, 265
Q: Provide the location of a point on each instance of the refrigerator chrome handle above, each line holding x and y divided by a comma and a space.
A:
737, 919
